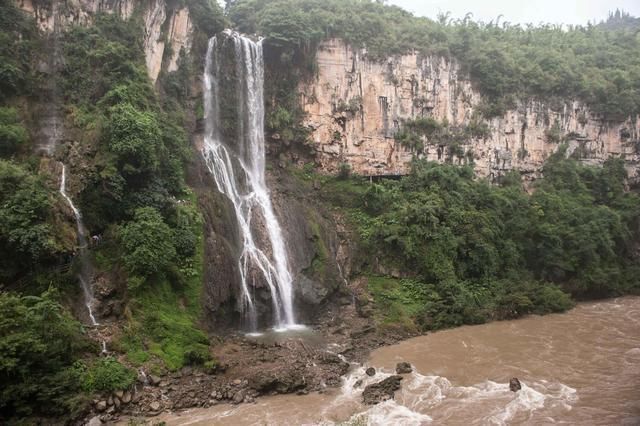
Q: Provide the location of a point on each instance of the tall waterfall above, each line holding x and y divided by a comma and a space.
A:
85, 275
237, 162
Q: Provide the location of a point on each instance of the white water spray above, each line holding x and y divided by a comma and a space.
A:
85, 268
238, 168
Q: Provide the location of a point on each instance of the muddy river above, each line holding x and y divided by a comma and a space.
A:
582, 367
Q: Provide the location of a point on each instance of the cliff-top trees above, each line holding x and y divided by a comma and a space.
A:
598, 64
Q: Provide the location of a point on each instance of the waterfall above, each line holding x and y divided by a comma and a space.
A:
85, 275
237, 163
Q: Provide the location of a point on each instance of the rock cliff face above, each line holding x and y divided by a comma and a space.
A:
355, 106
156, 15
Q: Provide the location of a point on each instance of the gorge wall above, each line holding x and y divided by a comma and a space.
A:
355, 106
166, 29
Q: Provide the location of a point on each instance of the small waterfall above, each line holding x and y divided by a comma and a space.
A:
238, 167
85, 276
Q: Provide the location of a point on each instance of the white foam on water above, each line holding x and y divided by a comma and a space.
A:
391, 413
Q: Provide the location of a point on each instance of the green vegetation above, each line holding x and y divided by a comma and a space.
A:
108, 375
147, 243
18, 43
26, 228
134, 151
415, 133
12, 134
477, 252
136, 192
596, 63
39, 344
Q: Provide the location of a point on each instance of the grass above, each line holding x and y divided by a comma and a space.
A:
397, 301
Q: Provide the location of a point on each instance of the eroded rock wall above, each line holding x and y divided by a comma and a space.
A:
164, 26
355, 106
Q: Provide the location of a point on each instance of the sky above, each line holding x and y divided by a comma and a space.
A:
522, 12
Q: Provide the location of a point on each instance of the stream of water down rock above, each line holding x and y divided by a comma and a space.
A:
582, 367
238, 168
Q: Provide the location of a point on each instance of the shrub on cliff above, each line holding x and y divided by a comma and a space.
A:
147, 243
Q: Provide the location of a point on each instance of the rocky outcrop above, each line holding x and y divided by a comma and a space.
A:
381, 391
355, 107
403, 368
164, 27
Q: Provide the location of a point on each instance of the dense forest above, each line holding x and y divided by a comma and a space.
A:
468, 251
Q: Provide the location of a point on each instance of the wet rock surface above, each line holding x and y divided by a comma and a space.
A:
403, 368
514, 385
381, 391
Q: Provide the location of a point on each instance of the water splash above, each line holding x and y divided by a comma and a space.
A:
238, 168
85, 275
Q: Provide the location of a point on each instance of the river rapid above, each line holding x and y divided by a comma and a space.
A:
581, 367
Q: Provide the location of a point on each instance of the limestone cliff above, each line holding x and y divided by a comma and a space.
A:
164, 26
355, 106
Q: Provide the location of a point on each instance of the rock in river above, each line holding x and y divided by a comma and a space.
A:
381, 391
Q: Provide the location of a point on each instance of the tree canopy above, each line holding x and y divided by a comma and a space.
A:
598, 64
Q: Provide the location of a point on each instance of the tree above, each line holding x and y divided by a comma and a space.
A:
134, 137
147, 243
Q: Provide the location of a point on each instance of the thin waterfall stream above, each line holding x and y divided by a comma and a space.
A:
85, 275
238, 168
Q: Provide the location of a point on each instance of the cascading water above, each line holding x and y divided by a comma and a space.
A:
238, 168
85, 275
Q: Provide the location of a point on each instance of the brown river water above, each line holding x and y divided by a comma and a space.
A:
581, 367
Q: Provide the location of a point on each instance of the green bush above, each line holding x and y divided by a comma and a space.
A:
108, 375
134, 137
197, 356
147, 242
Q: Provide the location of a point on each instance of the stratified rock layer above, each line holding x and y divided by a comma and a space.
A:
355, 106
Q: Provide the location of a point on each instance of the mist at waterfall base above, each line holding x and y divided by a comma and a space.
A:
238, 167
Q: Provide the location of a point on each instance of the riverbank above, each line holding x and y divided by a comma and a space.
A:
313, 359
579, 367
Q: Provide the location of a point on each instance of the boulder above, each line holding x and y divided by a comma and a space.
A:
154, 380
403, 368
239, 396
514, 385
370, 371
119, 394
101, 406
126, 397
95, 421
381, 391
155, 405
